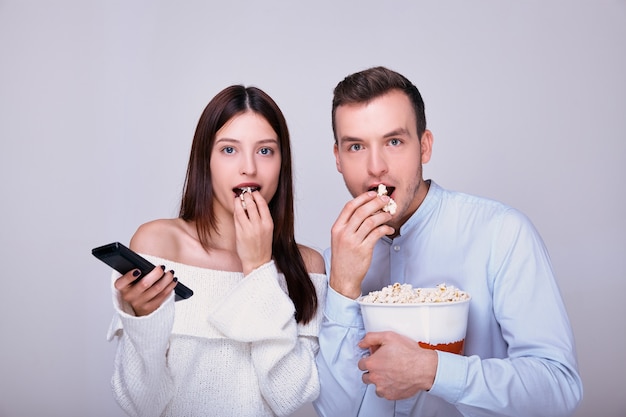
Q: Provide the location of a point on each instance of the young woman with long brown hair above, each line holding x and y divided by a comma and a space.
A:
244, 344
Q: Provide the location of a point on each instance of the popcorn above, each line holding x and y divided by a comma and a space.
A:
406, 294
244, 190
391, 205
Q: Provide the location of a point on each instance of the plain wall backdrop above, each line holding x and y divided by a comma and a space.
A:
99, 101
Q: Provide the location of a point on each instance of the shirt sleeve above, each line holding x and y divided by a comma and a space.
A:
141, 382
342, 329
539, 376
258, 311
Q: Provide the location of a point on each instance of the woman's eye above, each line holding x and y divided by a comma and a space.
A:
266, 151
228, 150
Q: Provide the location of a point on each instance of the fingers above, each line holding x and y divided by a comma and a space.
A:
396, 365
133, 276
363, 215
155, 281
354, 234
145, 294
254, 228
371, 364
353, 205
373, 228
250, 205
260, 202
363, 366
240, 206
372, 339
252, 209
127, 279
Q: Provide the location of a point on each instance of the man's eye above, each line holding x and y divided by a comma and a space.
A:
355, 147
395, 142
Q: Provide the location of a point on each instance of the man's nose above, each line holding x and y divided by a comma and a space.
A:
377, 163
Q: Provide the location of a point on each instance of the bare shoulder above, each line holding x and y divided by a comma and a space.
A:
158, 238
313, 260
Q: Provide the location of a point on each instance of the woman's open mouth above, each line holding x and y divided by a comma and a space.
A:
239, 191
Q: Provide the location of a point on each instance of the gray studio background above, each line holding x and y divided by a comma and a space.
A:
99, 101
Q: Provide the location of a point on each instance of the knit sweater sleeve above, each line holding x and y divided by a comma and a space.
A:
141, 382
260, 312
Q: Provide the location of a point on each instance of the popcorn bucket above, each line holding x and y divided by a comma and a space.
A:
439, 325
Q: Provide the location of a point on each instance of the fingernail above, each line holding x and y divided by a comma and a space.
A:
136, 273
163, 267
175, 279
172, 271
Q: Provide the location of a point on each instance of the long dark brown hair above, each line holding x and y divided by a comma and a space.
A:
197, 199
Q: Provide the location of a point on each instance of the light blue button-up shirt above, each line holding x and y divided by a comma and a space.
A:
520, 358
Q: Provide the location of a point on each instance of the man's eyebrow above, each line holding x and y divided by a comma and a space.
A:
397, 132
349, 139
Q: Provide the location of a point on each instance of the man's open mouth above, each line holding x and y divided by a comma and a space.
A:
389, 192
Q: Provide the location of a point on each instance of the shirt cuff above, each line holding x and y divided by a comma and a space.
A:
343, 310
451, 376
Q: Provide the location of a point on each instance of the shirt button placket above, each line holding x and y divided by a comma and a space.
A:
396, 266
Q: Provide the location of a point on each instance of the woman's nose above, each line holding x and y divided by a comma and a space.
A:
248, 166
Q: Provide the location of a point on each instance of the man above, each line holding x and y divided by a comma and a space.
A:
519, 358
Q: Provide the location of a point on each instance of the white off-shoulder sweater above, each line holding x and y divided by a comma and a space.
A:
232, 349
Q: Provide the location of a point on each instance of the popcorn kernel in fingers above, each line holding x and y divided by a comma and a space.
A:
391, 206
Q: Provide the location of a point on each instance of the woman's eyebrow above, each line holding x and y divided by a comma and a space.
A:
261, 141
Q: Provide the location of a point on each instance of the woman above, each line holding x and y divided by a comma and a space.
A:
244, 344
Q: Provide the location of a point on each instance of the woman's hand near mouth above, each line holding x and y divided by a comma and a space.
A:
254, 229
